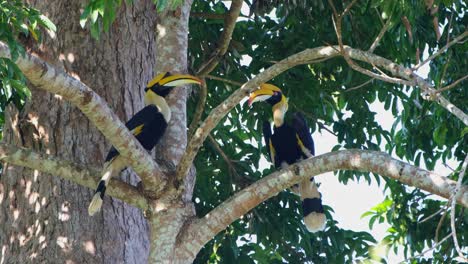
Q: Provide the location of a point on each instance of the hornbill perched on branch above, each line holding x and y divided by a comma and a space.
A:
289, 144
148, 126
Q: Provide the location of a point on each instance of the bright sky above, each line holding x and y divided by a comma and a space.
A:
352, 200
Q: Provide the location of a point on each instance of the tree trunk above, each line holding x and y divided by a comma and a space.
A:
44, 219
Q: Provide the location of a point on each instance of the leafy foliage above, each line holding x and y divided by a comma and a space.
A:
17, 19
101, 13
423, 133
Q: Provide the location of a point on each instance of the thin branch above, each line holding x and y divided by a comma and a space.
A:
449, 27
204, 229
426, 251
208, 15
309, 115
199, 109
450, 86
429, 93
223, 80
380, 36
223, 42
54, 80
432, 215
359, 86
452, 210
451, 43
336, 18
444, 71
348, 7
79, 174
441, 221
225, 157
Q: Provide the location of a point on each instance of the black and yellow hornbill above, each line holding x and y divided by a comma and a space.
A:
148, 126
288, 144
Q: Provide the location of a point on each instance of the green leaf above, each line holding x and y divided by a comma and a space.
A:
45, 21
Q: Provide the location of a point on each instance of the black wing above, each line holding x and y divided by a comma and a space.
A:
269, 144
305, 140
143, 116
136, 125
267, 137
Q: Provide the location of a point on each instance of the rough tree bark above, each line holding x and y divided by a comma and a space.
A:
43, 219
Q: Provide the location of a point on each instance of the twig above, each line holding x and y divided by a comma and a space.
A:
380, 36
441, 221
346, 10
212, 77
452, 210
336, 19
429, 93
449, 27
202, 94
225, 157
450, 86
359, 86
77, 173
320, 124
223, 42
427, 250
208, 15
451, 43
432, 215
446, 64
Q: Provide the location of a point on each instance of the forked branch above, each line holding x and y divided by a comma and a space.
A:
54, 80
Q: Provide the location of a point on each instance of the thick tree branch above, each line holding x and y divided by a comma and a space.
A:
304, 57
51, 79
202, 230
81, 175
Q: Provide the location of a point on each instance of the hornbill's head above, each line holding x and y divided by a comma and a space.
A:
164, 82
268, 93
274, 96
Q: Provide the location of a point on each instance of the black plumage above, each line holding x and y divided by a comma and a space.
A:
290, 143
148, 126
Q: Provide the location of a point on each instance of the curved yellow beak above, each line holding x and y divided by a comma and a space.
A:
266, 91
167, 79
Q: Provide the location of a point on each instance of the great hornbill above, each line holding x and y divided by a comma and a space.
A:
148, 126
288, 144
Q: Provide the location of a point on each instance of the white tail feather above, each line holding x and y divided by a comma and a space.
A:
315, 222
95, 205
